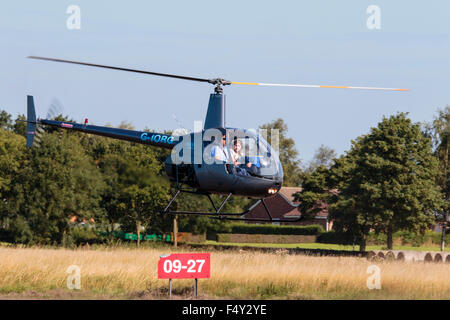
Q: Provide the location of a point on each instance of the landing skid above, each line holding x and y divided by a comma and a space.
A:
224, 215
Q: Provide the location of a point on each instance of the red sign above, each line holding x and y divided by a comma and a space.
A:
184, 266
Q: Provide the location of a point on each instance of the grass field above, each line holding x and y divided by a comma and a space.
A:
118, 273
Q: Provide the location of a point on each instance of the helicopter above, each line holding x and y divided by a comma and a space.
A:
202, 163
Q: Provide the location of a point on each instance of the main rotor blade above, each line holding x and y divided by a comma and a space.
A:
314, 86
217, 81
122, 69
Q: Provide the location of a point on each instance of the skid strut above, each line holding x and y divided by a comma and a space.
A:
225, 215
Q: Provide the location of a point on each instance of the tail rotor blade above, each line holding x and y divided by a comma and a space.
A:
55, 109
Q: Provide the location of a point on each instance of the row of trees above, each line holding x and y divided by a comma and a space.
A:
394, 178
92, 178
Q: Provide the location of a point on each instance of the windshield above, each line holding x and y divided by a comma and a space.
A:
252, 152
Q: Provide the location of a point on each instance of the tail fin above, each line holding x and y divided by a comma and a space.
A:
31, 121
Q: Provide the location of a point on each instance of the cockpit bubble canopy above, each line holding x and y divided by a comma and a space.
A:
254, 153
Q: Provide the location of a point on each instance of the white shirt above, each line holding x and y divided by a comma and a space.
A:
219, 153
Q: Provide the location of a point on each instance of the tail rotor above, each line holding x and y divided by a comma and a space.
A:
34, 130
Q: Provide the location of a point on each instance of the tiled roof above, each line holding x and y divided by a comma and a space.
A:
278, 205
282, 205
289, 192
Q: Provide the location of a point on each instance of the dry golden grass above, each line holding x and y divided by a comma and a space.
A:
132, 273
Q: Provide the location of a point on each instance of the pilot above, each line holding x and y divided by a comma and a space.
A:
219, 152
253, 161
252, 164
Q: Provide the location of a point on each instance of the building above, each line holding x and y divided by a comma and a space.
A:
282, 205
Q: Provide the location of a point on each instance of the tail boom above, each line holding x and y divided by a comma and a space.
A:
143, 137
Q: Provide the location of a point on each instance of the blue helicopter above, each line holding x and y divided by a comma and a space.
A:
217, 160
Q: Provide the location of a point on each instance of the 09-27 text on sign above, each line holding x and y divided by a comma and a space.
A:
184, 266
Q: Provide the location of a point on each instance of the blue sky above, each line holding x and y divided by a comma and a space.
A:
314, 42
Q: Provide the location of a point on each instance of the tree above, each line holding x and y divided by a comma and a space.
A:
55, 182
5, 120
345, 209
111, 166
287, 152
135, 189
140, 204
439, 131
386, 181
315, 192
126, 125
12, 148
323, 156
20, 126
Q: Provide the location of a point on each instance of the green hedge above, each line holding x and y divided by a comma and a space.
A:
418, 240
243, 228
407, 238
436, 238
265, 238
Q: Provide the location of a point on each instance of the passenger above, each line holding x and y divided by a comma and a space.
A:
236, 152
237, 157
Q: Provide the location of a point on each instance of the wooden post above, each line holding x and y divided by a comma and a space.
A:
195, 288
170, 288
175, 231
